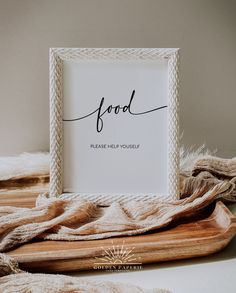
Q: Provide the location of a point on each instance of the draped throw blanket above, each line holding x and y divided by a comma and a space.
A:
208, 179
61, 219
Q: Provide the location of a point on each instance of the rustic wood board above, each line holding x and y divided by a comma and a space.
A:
200, 237
23, 191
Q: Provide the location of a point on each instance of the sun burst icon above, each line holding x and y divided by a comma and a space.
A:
118, 255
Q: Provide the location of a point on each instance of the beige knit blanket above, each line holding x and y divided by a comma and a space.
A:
209, 179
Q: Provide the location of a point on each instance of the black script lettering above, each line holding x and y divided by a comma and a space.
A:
100, 111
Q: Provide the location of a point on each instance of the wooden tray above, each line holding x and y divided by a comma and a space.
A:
200, 237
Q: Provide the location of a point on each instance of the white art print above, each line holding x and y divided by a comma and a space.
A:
115, 125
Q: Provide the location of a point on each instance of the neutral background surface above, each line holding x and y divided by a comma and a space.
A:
205, 30
213, 274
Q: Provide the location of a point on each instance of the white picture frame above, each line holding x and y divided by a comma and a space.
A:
60, 75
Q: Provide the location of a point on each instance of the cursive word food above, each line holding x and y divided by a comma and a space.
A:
100, 111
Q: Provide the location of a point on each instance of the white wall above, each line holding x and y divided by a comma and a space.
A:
205, 30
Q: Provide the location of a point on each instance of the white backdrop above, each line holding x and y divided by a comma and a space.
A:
205, 30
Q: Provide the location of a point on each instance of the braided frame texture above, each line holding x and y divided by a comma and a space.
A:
57, 56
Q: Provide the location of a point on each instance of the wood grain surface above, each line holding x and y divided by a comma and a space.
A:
208, 233
22, 192
197, 238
